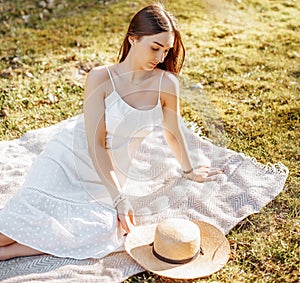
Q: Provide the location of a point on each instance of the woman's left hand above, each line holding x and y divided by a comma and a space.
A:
204, 174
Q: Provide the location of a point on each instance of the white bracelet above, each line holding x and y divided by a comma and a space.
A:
119, 198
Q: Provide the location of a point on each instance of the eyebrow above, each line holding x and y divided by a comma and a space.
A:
161, 45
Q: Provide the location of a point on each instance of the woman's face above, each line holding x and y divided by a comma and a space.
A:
151, 50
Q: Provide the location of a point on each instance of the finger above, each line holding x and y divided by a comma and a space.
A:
202, 179
131, 217
124, 223
202, 169
215, 169
214, 173
207, 179
209, 169
128, 221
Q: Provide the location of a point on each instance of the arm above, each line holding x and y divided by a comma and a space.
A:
171, 127
173, 134
94, 117
96, 131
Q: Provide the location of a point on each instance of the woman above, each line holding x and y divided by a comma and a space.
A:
64, 207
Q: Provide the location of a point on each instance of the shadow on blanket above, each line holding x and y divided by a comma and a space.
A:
50, 268
22, 266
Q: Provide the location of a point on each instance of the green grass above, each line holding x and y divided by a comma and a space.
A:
246, 56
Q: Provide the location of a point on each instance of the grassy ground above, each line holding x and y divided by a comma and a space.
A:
240, 83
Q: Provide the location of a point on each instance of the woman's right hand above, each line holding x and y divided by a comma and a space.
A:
125, 215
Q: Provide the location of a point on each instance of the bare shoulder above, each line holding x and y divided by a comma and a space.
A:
170, 83
97, 80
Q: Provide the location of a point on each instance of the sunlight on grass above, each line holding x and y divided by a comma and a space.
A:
240, 86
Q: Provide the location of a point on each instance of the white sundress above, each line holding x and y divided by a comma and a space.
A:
63, 209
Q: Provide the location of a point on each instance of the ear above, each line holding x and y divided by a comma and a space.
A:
131, 40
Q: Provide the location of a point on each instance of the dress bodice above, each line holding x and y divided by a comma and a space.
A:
126, 126
124, 123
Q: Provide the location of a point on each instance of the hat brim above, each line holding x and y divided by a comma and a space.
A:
215, 247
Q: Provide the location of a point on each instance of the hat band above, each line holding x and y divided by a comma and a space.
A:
175, 261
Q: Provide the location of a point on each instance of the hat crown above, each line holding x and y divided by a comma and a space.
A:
177, 239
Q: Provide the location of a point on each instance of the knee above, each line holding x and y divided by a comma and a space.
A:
4, 240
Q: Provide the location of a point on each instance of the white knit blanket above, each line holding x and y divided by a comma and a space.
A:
245, 188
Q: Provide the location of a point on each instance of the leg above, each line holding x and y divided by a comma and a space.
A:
15, 250
4, 240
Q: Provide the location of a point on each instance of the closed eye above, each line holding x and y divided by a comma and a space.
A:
157, 49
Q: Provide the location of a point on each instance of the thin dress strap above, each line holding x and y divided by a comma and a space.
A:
111, 79
159, 87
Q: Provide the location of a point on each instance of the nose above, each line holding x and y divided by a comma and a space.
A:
161, 57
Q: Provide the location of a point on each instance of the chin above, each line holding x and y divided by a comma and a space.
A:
150, 67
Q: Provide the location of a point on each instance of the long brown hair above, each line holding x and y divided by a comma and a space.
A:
154, 19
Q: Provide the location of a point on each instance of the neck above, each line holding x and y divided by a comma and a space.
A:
131, 71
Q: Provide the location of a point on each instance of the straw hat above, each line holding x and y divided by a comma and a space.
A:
178, 248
